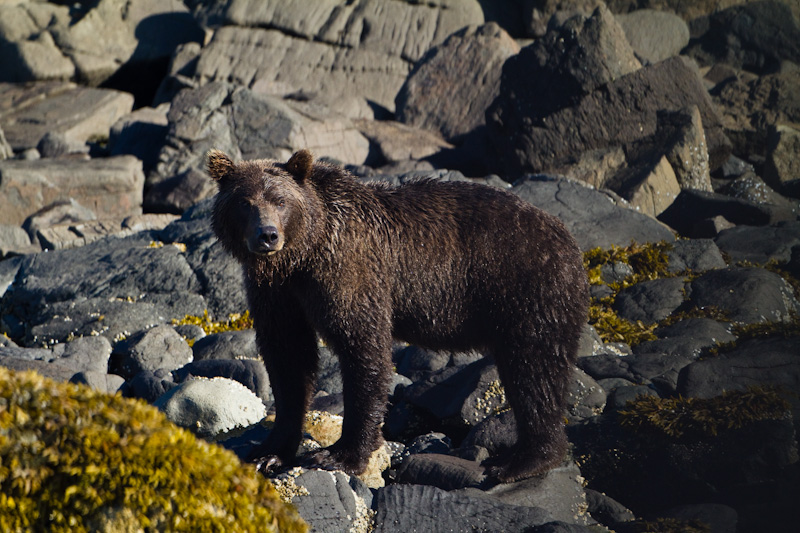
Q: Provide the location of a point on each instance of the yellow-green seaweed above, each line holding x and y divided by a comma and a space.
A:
678, 417
235, 322
74, 459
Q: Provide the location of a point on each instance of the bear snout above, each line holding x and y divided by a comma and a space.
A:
265, 240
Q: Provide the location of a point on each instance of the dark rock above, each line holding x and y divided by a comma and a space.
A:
466, 395
650, 301
496, 433
560, 491
140, 134
747, 295
781, 169
330, 403
720, 518
153, 349
87, 354
226, 345
443, 471
606, 509
753, 189
437, 443
755, 36
585, 398
329, 374
535, 142
146, 385
760, 244
701, 329
416, 362
437, 97
249, 372
590, 215
394, 144
691, 207
772, 361
620, 396
751, 105
695, 255
403, 508
708, 228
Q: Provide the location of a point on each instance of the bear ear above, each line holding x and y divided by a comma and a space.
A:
299, 165
219, 164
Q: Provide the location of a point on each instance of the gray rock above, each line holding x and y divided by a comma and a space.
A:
58, 213
756, 36
101, 381
397, 142
559, 491
591, 216
760, 244
772, 361
747, 295
29, 112
700, 329
436, 443
250, 126
14, 240
751, 104
416, 362
650, 301
451, 87
8, 271
443, 471
140, 133
329, 49
696, 255
329, 501
55, 144
87, 354
227, 345
654, 35
496, 433
782, 170
750, 187
708, 228
149, 386
197, 405
157, 348
425, 508
620, 396
585, 398
249, 372
542, 138
112, 186
693, 206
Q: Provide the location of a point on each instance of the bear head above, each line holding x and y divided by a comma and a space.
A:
261, 207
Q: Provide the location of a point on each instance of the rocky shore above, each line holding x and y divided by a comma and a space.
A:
664, 134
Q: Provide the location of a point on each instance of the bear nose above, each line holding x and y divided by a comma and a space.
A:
267, 237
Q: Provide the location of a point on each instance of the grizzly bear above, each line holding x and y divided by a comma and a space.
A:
444, 265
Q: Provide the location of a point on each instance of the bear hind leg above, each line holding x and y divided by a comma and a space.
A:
535, 374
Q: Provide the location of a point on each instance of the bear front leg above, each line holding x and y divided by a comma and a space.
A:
366, 372
289, 351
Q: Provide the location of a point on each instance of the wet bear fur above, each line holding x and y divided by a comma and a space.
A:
443, 265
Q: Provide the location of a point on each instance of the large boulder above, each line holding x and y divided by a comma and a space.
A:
450, 87
110, 187
364, 48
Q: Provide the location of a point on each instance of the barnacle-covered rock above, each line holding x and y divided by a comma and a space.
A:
73, 459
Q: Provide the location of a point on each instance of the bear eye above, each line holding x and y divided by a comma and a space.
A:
281, 203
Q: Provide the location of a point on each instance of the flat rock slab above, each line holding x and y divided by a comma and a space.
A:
774, 361
747, 295
111, 187
404, 508
650, 301
111, 287
590, 215
760, 244
29, 111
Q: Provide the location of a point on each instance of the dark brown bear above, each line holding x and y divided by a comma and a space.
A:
438, 264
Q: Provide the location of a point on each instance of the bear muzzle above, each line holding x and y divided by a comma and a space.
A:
265, 240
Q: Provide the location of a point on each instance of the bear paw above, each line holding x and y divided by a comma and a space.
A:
331, 458
518, 466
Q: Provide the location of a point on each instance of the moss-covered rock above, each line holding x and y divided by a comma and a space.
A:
73, 459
